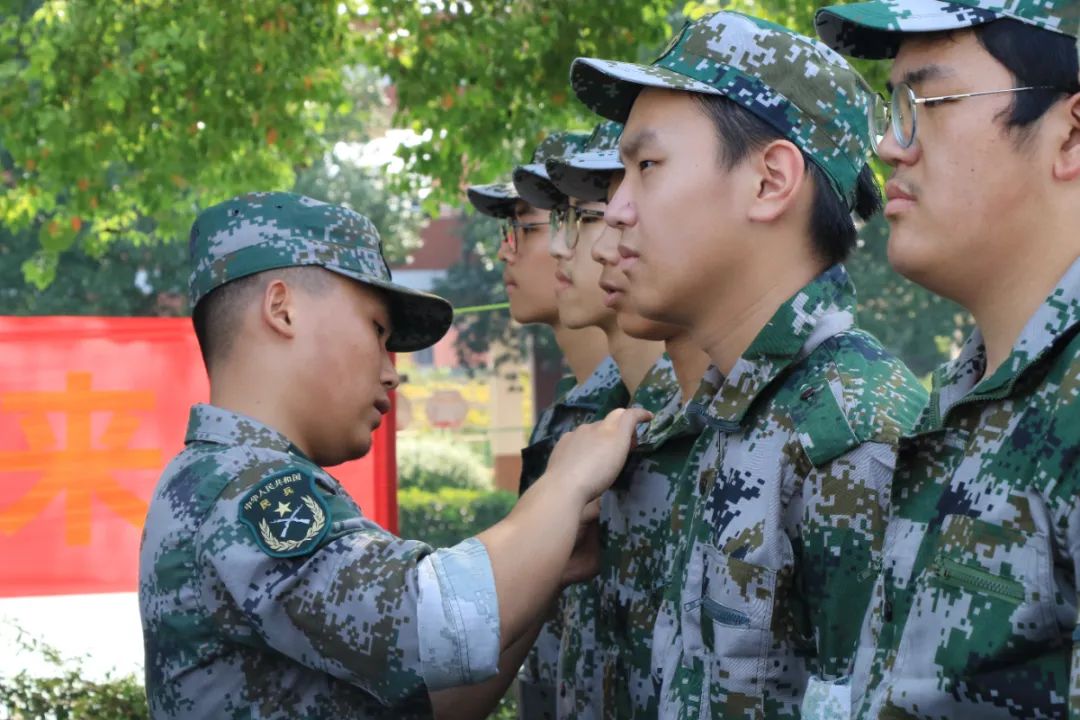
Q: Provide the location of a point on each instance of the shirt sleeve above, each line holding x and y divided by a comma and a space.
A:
458, 616
845, 512
387, 615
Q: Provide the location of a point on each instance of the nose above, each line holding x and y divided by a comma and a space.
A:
557, 244
389, 375
605, 249
892, 154
620, 212
505, 254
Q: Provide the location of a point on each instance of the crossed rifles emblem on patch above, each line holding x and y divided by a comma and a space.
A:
285, 513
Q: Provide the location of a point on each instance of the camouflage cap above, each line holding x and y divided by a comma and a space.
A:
796, 84
585, 175
268, 230
874, 29
532, 181
497, 200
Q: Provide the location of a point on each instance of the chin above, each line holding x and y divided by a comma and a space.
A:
909, 257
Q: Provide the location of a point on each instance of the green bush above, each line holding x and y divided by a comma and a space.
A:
433, 462
448, 516
68, 694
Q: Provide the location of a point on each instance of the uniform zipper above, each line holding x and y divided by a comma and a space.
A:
969, 578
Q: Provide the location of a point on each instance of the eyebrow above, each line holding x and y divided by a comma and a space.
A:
921, 75
630, 147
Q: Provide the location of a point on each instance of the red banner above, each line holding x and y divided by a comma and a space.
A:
91, 410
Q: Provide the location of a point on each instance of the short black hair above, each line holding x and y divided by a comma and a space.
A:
1035, 57
832, 227
217, 315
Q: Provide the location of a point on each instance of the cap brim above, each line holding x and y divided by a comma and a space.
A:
585, 176
419, 319
535, 187
609, 87
874, 30
492, 200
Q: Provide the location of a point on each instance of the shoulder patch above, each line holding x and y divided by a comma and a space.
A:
285, 514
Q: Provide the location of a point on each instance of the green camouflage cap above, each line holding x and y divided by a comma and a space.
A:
268, 230
497, 200
586, 175
796, 84
532, 181
875, 29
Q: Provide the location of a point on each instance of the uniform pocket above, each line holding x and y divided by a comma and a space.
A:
982, 602
726, 622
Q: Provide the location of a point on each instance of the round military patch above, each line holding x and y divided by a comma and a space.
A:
285, 514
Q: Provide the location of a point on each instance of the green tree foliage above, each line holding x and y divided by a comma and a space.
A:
445, 517
121, 117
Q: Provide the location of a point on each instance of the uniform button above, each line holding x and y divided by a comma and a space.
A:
807, 393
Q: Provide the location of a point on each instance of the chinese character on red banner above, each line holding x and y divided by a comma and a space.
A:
91, 409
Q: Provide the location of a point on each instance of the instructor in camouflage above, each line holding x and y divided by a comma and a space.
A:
745, 152
264, 591
974, 614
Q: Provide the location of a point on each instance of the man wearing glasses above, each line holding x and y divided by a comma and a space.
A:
974, 614
647, 380
745, 151
593, 388
637, 517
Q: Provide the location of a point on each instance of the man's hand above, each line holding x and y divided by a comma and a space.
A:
588, 459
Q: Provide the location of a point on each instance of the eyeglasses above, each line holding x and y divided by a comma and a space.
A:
902, 115
572, 218
514, 232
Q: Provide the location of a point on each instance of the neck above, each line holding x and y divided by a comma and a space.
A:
689, 362
743, 307
1004, 305
238, 390
633, 356
583, 349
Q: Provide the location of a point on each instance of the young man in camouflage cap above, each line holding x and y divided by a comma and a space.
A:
974, 614
648, 499
547, 681
264, 591
745, 153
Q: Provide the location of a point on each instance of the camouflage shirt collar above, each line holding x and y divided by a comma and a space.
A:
823, 308
596, 393
211, 424
678, 419
961, 379
564, 386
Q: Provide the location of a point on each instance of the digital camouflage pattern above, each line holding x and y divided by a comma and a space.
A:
238, 623
588, 638
796, 84
532, 181
270, 230
875, 29
640, 520
586, 175
791, 501
602, 392
975, 613
496, 200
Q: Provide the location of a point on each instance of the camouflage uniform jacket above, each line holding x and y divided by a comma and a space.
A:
582, 658
343, 620
602, 392
791, 508
974, 614
639, 518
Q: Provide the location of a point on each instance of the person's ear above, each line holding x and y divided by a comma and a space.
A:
1067, 162
778, 172
279, 311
